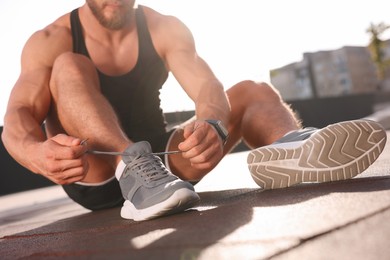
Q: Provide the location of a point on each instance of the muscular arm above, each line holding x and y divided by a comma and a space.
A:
201, 146
30, 101
194, 74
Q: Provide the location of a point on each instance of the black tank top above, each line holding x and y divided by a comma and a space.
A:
135, 96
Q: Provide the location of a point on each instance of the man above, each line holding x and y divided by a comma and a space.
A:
93, 78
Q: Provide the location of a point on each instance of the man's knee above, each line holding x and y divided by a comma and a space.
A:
71, 66
249, 90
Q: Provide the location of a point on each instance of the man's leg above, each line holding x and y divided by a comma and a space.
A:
337, 152
258, 117
79, 109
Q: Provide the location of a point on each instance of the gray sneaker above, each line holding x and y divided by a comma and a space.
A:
149, 189
337, 152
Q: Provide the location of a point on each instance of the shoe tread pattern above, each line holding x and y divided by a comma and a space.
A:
337, 152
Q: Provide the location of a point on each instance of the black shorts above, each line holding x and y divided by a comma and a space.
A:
109, 195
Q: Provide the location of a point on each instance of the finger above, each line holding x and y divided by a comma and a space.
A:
210, 151
71, 180
78, 172
71, 164
61, 152
208, 164
200, 156
197, 136
66, 140
209, 140
79, 150
192, 127
188, 130
65, 176
195, 151
57, 167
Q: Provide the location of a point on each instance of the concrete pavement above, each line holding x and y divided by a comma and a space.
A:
235, 220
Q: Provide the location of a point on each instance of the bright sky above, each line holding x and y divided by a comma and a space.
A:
239, 39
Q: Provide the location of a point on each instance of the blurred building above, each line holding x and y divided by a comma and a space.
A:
293, 80
345, 71
386, 55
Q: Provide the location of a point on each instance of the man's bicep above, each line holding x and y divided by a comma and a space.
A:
192, 73
182, 59
31, 94
31, 91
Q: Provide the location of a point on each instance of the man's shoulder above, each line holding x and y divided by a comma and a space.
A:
46, 44
157, 20
60, 28
58, 33
168, 32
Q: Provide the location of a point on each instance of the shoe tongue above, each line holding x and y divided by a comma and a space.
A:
135, 150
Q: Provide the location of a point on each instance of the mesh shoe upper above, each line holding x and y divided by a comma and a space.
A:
145, 181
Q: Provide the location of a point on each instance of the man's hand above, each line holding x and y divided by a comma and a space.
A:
61, 159
202, 145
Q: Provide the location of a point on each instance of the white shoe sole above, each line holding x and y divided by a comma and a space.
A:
180, 200
337, 152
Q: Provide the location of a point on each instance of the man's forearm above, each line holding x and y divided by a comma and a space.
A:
212, 103
21, 131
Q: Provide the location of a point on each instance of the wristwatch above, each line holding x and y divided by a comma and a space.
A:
221, 130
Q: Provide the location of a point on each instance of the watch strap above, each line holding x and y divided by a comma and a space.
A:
221, 130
